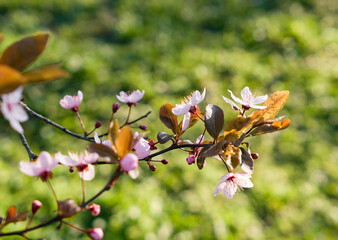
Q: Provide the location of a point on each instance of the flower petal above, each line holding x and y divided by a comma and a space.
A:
237, 99
196, 97
219, 188
260, 99
67, 102
230, 189
232, 104
243, 180
134, 173
88, 173
246, 95
186, 120
78, 98
181, 109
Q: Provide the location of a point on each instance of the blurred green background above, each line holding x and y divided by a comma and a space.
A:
171, 48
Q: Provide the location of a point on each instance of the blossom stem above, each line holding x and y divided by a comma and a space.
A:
31, 155
82, 125
200, 117
30, 221
52, 189
73, 226
83, 190
50, 122
127, 120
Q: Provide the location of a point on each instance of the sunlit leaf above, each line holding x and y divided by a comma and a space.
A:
114, 128
214, 149
124, 140
236, 157
10, 79
201, 158
238, 125
247, 163
269, 128
168, 118
11, 213
273, 105
22, 53
214, 120
45, 74
1, 38
104, 151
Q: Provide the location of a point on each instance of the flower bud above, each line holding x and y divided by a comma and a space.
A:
116, 107
98, 124
71, 169
95, 233
191, 159
152, 145
36, 205
152, 167
143, 127
164, 161
94, 209
254, 155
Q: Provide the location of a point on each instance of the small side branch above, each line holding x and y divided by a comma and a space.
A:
31, 155
50, 122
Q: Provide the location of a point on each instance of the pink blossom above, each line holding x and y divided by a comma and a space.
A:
41, 167
82, 162
94, 209
230, 182
191, 159
95, 233
130, 97
36, 205
248, 100
142, 147
104, 142
188, 107
129, 164
13, 110
72, 102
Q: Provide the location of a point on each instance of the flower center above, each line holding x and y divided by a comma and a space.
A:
193, 109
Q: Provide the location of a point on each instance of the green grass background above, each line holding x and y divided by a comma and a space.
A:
171, 48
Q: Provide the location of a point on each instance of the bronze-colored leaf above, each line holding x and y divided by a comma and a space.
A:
238, 125
214, 120
68, 208
1, 38
11, 213
113, 130
269, 128
247, 163
45, 74
123, 142
215, 149
104, 151
273, 105
10, 79
168, 118
163, 137
201, 158
236, 157
22, 53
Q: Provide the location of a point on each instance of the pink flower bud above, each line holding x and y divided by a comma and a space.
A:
164, 161
98, 124
116, 107
191, 159
152, 167
36, 205
143, 127
95, 233
129, 162
94, 209
254, 155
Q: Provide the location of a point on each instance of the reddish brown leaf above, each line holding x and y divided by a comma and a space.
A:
11, 213
247, 163
10, 79
238, 125
123, 142
168, 118
113, 131
273, 105
214, 120
45, 74
236, 157
22, 53
68, 208
104, 151
269, 128
1, 37
12, 217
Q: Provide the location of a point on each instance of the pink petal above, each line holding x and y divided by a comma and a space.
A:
67, 102
78, 98
243, 180
237, 99
134, 173
46, 161
88, 173
232, 104
186, 120
258, 107
226, 177
246, 95
16, 125
260, 99
15, 96
90, 157
129, 162
197, 97
230, 189
219, 188
66, 160
181, 109
31, 169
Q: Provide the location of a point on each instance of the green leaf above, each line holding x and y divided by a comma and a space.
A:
214, 120
22, 53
